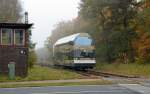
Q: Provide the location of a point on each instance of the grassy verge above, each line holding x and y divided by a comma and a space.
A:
44, 73
132, 69
99, 82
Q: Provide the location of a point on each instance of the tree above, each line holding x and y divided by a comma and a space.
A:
112, 20
32, 58
10, 11
142, 23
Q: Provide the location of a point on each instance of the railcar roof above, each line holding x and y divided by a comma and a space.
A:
70, 38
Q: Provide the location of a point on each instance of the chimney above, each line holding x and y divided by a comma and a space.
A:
26, 17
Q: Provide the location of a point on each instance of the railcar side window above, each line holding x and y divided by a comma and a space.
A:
6, 36
19, 37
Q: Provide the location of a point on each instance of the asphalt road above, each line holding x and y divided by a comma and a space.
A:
101, 89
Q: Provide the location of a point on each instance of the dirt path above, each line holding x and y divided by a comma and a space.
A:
52, 81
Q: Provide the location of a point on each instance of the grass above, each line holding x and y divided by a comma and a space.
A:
44, 73
38, 73
132, 69
99, 82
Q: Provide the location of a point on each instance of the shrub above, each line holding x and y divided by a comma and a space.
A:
32, 59
140, 61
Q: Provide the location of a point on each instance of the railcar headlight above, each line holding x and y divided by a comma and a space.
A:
76, 58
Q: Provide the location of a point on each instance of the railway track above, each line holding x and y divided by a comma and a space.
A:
88, 75
94, 73
99, 74
105, 74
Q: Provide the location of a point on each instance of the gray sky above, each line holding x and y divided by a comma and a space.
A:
46, 13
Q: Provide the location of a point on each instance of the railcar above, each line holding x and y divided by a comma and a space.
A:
75, 51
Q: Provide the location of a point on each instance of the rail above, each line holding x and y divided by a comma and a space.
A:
106, 74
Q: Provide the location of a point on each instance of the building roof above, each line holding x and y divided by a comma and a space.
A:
15, 25
70, 38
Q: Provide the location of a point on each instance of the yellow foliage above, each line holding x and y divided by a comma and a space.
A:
142, 44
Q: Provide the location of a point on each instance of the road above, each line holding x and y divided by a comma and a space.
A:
100, 89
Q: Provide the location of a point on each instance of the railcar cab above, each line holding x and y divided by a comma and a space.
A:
84, 52
84, 47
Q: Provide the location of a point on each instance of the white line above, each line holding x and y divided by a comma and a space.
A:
40, 93
114, 91
137, 88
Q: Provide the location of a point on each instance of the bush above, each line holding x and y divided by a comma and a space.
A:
140, 61
32, 59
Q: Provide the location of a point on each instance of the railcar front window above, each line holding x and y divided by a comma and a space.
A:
84, 54
83, 41
6, 36
19, 37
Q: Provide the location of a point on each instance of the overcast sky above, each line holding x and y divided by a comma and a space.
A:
46, 13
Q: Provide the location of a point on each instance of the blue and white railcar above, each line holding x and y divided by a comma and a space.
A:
76, 51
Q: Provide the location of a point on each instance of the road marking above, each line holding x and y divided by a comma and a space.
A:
114, 91
40, 93
137, 88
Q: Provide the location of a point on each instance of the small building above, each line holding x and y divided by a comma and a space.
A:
14, 40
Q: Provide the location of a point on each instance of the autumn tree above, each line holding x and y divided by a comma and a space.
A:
111, 19
142, 23
10, 11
